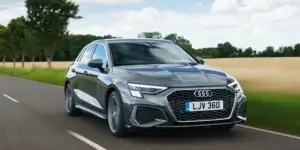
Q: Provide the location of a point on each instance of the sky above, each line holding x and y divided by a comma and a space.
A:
206, 23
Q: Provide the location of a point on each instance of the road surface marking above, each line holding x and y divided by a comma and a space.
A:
85, 140
10, 98
272, 132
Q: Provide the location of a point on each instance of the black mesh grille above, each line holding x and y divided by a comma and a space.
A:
242, 110
178, 99
146, 115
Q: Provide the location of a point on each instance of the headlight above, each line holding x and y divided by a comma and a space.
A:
234, 84
137, 90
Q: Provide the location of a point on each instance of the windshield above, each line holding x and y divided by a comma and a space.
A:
130, 53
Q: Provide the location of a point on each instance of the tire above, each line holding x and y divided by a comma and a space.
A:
70, 102
223, 128
115, 115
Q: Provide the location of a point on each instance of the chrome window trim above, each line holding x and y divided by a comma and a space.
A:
199, 88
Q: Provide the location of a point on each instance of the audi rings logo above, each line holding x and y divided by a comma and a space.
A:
203, 93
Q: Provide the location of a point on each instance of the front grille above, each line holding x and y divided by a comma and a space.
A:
242, 110
177, 101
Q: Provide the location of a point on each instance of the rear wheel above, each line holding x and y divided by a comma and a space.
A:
70, 103
115, 115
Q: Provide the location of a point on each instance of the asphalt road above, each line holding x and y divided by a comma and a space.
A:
32, 117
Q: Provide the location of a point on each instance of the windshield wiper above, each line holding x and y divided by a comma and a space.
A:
193, 63
186, 63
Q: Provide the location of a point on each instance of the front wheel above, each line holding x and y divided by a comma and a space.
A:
115, 115
70, 103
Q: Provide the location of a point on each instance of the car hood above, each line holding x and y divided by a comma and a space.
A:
172, 75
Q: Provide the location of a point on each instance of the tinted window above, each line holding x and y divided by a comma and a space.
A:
100, 53
80, 55
87, 55
148, 53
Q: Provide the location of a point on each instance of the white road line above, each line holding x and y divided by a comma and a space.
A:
10, 98
271, 132
85, 140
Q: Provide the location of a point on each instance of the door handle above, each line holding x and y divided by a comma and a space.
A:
86, 73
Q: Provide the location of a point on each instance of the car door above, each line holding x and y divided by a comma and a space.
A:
73, 69
99, 78
83, 78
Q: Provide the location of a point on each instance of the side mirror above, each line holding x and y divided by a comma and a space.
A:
96, 63
200, 60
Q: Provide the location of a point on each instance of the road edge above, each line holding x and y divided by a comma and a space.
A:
239, 125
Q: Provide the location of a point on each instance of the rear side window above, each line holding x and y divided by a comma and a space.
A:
80, 55
87, 55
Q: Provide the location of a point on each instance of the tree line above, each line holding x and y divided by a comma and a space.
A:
226, 49
42, 35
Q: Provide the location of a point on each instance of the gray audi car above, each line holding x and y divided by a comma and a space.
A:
151, 83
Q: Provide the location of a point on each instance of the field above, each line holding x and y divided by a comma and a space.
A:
272, 87
272, 74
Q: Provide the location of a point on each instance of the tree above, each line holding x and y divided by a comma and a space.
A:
227, 50
269, 52
24, 38
3, 43
207, 52
72, 44
240, 52
32, 47
181, 41
16, 38
288, 51
153, 34
296, 51
254, 53
49, 20
108, 37
248, 52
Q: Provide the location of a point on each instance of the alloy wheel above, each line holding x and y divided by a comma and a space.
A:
114, 114
68, 100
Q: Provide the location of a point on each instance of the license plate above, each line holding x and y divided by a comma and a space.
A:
203, 106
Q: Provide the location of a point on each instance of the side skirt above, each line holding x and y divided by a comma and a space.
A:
102, 116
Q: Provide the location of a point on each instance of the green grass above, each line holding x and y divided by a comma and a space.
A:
51, 76
274, 111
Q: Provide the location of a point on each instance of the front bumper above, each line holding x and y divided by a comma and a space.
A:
158, 111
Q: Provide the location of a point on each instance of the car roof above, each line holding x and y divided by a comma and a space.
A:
116, 40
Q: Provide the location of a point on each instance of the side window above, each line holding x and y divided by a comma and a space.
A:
100, 53
87, 55
80, 55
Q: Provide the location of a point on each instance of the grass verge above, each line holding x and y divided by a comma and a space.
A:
51, 76
273, 110
269, 110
